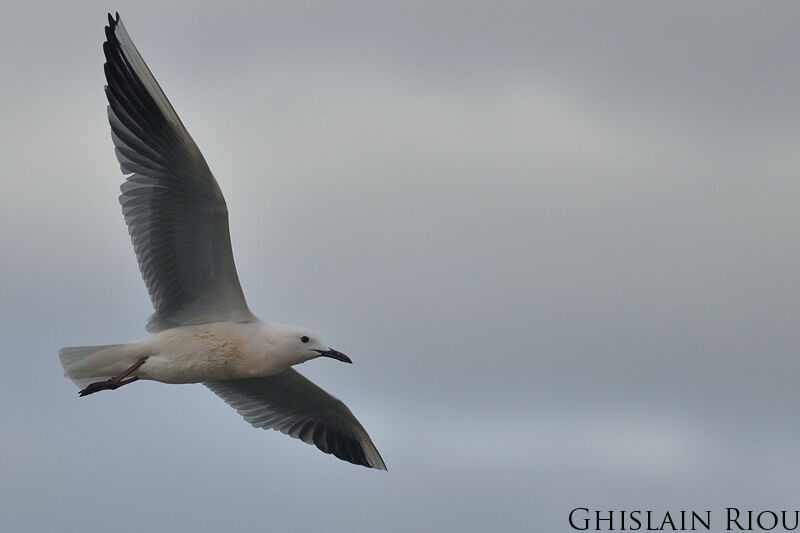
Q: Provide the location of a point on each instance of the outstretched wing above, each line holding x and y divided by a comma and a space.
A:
173, 206
289, 403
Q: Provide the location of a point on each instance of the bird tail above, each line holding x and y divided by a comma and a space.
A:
84, 364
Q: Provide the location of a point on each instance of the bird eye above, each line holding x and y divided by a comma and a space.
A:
304, 339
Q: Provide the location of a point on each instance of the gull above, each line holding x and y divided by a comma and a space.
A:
202, 330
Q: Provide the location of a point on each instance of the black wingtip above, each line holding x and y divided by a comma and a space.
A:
112, 22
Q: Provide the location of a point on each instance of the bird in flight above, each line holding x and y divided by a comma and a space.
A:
202, 330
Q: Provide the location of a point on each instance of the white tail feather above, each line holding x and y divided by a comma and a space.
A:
74, 361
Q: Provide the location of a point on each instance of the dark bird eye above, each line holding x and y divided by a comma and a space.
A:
304, 339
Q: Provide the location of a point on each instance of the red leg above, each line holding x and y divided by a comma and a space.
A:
115, 382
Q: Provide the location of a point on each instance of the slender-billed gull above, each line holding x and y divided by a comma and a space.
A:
202, 330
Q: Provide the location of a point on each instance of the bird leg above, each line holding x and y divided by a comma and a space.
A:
115, 382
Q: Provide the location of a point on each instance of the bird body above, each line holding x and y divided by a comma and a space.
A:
194, 354
202, 329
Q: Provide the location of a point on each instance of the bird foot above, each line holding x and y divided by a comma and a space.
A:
115, 382
109, 384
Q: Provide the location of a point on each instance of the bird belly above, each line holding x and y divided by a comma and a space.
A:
209, 352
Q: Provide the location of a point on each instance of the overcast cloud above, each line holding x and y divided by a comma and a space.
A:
558, 241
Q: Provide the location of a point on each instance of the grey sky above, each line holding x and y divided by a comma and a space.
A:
558, 241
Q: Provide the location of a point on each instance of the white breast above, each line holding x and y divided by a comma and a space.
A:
210, 352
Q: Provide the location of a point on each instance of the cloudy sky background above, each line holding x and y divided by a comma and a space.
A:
558, 240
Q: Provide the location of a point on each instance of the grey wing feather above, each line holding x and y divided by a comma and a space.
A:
290, 403
173, 206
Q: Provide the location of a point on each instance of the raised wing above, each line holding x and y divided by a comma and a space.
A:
173, 206
289, 403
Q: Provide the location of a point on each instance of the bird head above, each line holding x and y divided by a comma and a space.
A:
300, 345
